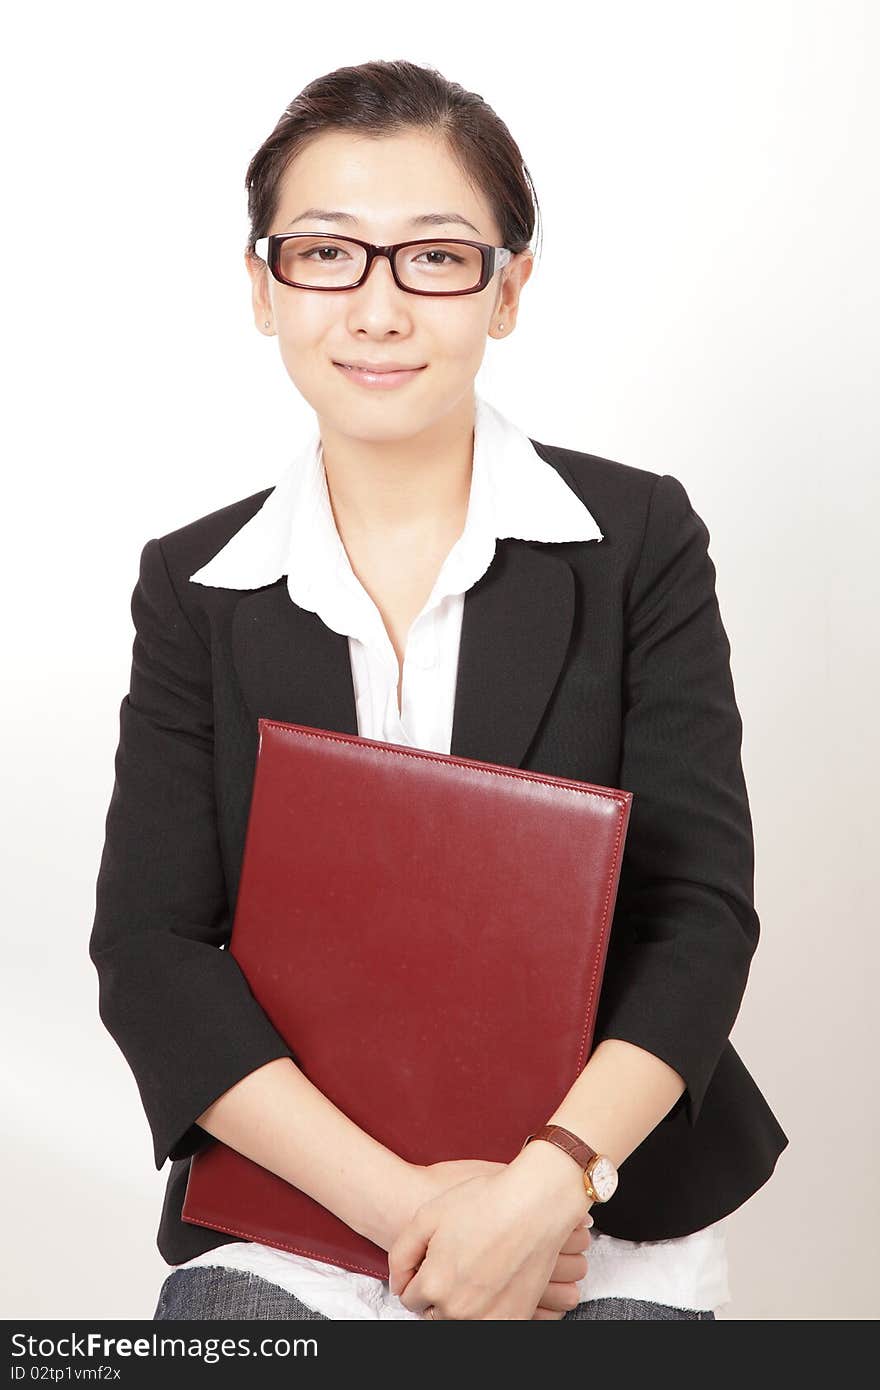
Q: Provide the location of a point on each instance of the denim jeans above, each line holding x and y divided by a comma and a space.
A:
211, 1291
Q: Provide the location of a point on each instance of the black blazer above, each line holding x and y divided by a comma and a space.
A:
604, 662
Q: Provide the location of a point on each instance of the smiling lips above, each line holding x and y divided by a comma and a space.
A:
384, 377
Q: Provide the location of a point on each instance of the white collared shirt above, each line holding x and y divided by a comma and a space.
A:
514, 493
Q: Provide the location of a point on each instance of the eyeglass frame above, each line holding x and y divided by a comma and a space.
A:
494, 258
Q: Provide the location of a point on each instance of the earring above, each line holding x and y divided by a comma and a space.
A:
501, 326
266, 324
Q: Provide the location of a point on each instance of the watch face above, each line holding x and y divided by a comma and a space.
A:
603, 1176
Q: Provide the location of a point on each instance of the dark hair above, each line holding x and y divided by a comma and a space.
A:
383, 98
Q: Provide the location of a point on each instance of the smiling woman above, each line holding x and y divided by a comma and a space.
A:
426, 573
385, 307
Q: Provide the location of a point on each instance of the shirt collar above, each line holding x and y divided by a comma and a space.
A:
514, 493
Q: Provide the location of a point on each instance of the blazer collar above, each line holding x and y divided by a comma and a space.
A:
519, 602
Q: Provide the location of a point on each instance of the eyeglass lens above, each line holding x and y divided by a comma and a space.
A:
334, 262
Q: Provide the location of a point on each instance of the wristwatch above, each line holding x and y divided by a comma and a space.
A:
600, 1174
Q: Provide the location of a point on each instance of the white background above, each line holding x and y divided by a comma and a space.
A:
705, 304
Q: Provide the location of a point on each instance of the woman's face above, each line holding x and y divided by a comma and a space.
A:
384, 184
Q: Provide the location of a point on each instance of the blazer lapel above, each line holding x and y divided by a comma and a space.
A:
516, 630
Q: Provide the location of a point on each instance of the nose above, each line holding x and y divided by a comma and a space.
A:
382, 263
379, 299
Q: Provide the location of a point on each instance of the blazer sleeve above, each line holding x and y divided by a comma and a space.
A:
177, 1005
685, 926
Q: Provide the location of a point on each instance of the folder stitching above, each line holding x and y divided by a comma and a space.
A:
597, 965
278, 1244
423, 755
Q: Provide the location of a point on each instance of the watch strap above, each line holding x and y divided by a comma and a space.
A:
568, 1142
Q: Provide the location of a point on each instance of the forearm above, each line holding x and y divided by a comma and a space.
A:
621, 1095
279, 1119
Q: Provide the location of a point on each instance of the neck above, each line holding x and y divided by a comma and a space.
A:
411, 487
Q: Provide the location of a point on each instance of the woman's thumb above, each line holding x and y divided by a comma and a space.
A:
406, 1253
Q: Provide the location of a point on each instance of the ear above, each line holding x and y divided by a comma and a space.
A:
526, 265
514, 276
518, 271
260, 296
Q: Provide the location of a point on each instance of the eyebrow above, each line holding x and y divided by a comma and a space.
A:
424, 219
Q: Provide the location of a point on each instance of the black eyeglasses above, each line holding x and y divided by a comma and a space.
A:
306, 261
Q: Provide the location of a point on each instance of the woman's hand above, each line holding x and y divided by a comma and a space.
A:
561, 1292
489, 1246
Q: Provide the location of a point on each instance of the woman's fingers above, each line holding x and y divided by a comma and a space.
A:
569, 1268
558, 1298
571, 1263
562, 1293
576, 1242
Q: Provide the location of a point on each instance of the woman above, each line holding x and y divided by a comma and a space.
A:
425, 573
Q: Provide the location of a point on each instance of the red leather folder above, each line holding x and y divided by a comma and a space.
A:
428, 933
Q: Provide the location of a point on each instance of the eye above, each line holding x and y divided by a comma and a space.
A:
441, 251
305, 255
